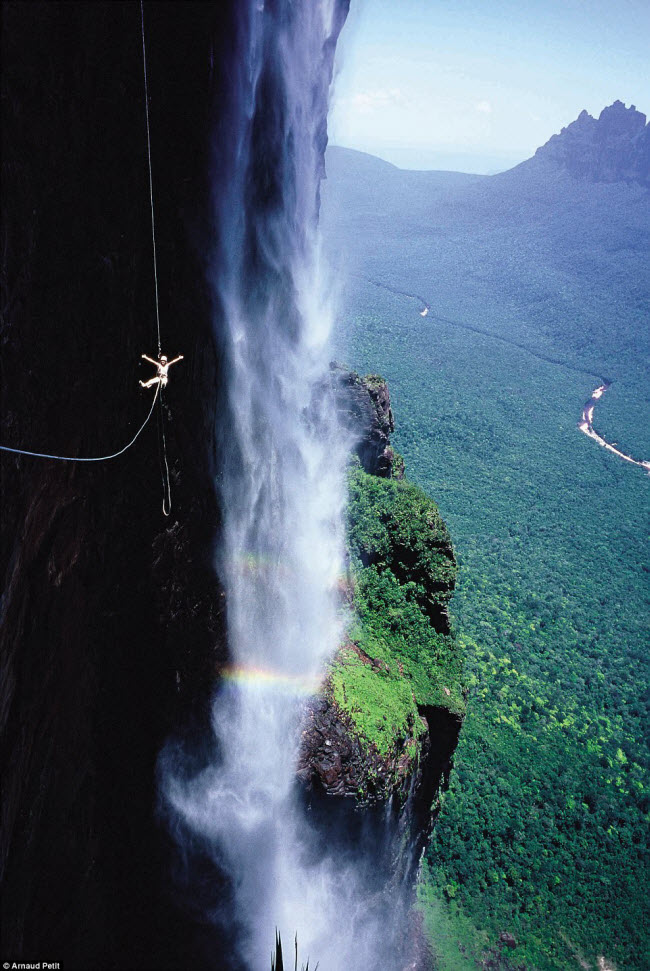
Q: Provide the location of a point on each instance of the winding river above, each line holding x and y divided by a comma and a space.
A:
586, 425
586, 422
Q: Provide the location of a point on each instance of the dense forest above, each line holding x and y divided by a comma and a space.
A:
543, 831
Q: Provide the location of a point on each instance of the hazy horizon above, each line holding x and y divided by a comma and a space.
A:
402, 156
468, 164
478, 90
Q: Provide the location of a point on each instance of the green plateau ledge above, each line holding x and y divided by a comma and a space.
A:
387, 720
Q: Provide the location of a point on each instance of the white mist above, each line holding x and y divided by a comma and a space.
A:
282, 494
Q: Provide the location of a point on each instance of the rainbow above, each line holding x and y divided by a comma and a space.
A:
293, 684
249, 563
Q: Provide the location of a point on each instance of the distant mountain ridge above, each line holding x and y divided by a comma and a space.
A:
552, 253
613, 148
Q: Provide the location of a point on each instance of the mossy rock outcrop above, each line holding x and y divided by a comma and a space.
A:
387, 720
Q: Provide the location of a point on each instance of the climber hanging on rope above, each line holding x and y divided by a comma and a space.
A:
162, 366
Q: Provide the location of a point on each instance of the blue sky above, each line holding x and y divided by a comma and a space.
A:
477, 85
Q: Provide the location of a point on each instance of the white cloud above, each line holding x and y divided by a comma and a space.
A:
484, 107
367, 102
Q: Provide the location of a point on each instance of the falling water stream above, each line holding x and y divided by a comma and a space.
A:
282, 456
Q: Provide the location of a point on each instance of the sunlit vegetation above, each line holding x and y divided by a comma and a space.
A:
544, 830
379, 701
402, 571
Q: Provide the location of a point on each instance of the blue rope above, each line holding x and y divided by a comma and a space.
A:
100, 458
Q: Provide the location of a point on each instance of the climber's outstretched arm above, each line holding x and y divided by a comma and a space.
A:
150, 359
175, 360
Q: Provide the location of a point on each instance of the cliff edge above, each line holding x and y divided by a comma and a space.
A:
386, 723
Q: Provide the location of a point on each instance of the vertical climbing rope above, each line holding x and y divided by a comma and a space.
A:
153, 219
164, 467
167, 500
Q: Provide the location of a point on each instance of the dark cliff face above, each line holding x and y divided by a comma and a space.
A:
613, 148
364, 409
111, 614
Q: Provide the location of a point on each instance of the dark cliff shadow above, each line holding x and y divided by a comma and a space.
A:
112, 619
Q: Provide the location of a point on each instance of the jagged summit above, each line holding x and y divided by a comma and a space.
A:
613, 148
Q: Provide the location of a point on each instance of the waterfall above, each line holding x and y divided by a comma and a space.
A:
282, 457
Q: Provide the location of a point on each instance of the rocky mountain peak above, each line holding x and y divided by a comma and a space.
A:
613, 148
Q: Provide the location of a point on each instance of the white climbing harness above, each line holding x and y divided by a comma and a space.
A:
162, 366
